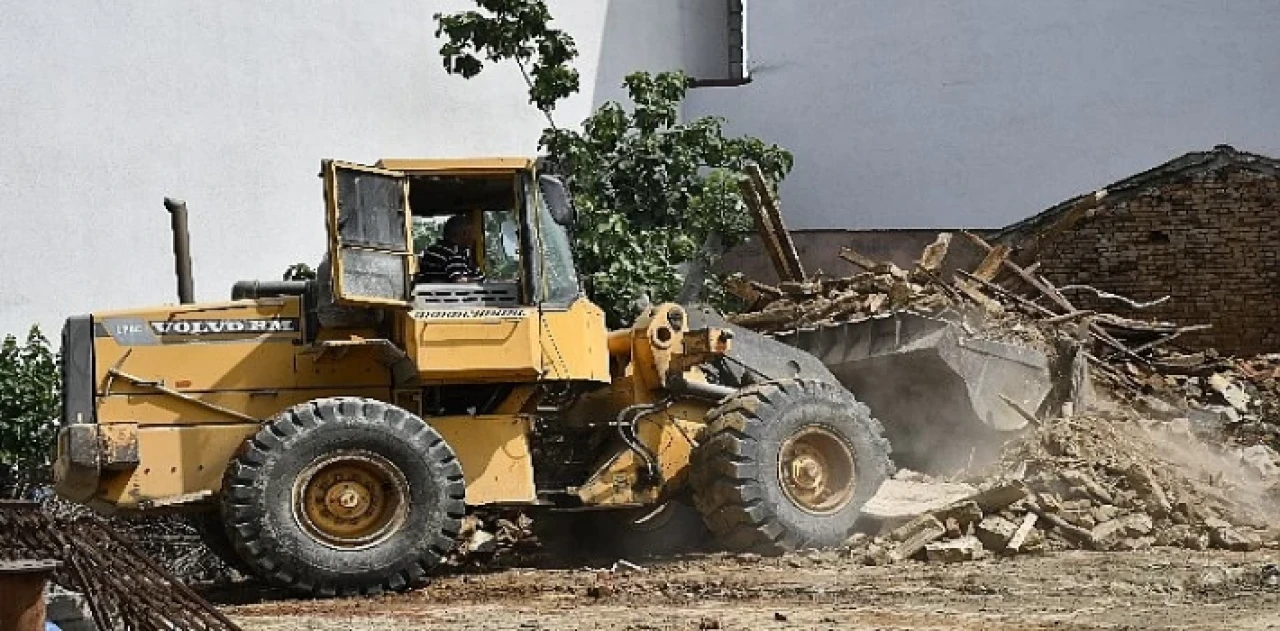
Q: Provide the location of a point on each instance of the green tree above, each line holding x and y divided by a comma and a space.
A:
650, 188
30, 387
519, 30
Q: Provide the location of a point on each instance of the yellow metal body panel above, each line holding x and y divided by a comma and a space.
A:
473, 345
255, 374
671, 434
517, 344
162, 409
617, 482
176, 461
574, 344
495, 458
421, 165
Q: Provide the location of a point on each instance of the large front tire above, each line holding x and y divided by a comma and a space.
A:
344, 496
787, 465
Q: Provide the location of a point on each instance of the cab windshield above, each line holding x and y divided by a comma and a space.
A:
558, 280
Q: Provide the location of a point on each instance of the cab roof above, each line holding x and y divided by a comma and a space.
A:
411, 165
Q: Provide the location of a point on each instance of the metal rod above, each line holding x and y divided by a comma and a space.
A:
143, 383
181, 249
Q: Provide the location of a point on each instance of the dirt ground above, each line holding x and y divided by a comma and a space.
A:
1157, 588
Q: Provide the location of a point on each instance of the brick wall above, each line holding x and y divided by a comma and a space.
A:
1211, 240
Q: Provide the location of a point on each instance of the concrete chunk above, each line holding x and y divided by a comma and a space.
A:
995, 532
995, 498
877, 555
953, 551
1131, 525
915, 535
1105, 512
1231, 392
1024, 530
1261, 459
907, 499
1082, 479
1225, 536
964, 513
1141, 478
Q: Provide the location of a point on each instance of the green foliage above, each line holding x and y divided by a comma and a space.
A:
30, 387
498, 264
512, 29
426, 231
649, 187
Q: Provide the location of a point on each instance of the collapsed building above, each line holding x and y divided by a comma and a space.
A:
1202, 229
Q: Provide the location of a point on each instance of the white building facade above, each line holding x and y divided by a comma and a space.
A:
901, 114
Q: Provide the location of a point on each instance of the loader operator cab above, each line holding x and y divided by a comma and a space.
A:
384, 218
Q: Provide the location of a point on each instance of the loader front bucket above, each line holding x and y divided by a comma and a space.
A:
944, 396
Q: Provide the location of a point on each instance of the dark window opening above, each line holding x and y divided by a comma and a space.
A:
1158, 236
729, 68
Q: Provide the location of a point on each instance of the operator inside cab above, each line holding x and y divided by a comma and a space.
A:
452, 259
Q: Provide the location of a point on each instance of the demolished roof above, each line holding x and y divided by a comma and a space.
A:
1182, 166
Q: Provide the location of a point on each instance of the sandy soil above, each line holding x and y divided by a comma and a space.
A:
1159, 588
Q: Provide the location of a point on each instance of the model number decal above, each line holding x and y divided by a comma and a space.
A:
466, 314
215, 327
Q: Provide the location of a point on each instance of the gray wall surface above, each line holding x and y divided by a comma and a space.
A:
921, 113
106, 107
913, 113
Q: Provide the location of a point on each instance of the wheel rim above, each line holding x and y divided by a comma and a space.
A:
817, 471
351, 500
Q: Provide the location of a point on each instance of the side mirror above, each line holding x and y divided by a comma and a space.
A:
556, 197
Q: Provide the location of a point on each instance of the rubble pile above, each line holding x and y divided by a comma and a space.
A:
1091, 483
1231, 399
489, 537
881, 288
1094, 471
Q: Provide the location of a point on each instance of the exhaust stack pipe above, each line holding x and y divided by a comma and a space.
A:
181, 249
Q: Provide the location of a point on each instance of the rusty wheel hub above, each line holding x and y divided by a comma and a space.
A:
351, 499
817, 470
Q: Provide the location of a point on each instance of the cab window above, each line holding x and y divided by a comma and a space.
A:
501, 245
487, 203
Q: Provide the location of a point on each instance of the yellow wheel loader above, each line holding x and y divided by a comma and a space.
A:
335, 432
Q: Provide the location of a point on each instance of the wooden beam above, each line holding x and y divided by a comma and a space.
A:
992, 262
768, 219
935, 253
862, 260
1068, 221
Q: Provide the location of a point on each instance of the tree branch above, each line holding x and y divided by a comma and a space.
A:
529, 83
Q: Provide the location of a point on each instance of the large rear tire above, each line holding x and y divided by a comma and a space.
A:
344, 496
788, 465
213, 534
